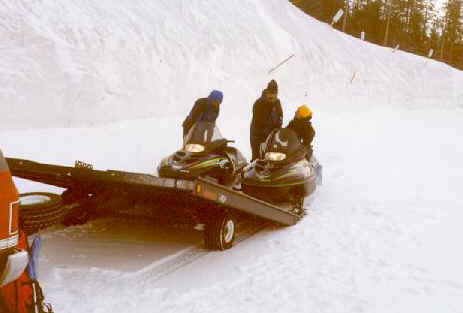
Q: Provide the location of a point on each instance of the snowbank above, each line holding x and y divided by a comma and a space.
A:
70, 63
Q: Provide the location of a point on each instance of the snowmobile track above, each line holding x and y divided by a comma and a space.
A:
246, 229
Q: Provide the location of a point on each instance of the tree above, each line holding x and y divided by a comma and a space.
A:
452, 30
416, 25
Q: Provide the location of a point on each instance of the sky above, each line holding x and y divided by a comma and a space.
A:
439, 2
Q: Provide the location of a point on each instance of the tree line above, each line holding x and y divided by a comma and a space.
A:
417, 26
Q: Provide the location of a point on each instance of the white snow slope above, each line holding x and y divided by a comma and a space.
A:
109, 82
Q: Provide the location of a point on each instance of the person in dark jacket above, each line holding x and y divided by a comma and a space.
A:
204, 109
266, 116
302, 126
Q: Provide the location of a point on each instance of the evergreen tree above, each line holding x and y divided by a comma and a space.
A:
452, 31
416, 25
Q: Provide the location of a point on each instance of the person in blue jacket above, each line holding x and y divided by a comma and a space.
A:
204, 110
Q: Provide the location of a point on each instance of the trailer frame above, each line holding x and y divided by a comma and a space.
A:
216, 203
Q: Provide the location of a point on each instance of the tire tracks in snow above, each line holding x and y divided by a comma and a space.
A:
172, 263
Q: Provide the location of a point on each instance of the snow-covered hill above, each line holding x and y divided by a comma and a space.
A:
382, 233
68, 63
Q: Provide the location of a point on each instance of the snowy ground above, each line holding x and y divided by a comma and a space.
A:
382, 234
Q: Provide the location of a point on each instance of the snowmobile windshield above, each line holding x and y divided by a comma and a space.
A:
203, 133
283, 145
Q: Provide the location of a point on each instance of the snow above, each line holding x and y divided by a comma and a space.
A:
109, 83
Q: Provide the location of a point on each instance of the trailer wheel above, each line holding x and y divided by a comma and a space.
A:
73, 195
219, 233
39, 210
76, 216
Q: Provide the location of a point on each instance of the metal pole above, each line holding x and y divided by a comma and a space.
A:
36, 308
281, 63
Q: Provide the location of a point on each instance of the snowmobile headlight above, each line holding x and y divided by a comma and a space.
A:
275, 156
194, 147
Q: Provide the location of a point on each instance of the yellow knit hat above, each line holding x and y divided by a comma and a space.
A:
303, 112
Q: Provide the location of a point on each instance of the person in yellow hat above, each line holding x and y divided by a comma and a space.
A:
301, 124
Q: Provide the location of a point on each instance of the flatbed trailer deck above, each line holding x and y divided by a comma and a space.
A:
200, 192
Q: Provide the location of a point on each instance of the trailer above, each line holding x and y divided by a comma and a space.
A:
212, 205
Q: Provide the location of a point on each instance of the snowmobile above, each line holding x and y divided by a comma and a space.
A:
205, 153
282, 175
194, 188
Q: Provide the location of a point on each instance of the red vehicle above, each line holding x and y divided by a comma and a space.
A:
18, 292
13, 261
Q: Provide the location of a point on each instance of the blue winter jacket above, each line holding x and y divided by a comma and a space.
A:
202, 111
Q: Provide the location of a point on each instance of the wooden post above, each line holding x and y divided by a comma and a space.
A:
388, 13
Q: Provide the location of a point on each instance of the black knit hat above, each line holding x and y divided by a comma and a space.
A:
272, 86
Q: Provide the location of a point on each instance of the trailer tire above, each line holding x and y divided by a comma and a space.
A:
77, 216
219, 233
39, 210
72, 195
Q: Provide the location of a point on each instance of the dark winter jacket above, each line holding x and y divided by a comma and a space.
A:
202, 111
266, 116
303, 128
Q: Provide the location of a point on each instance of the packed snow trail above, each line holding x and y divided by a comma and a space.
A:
382, 233
381, 228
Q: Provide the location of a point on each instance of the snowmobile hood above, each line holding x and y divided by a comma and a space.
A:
188, 165
204, 153
264, 173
